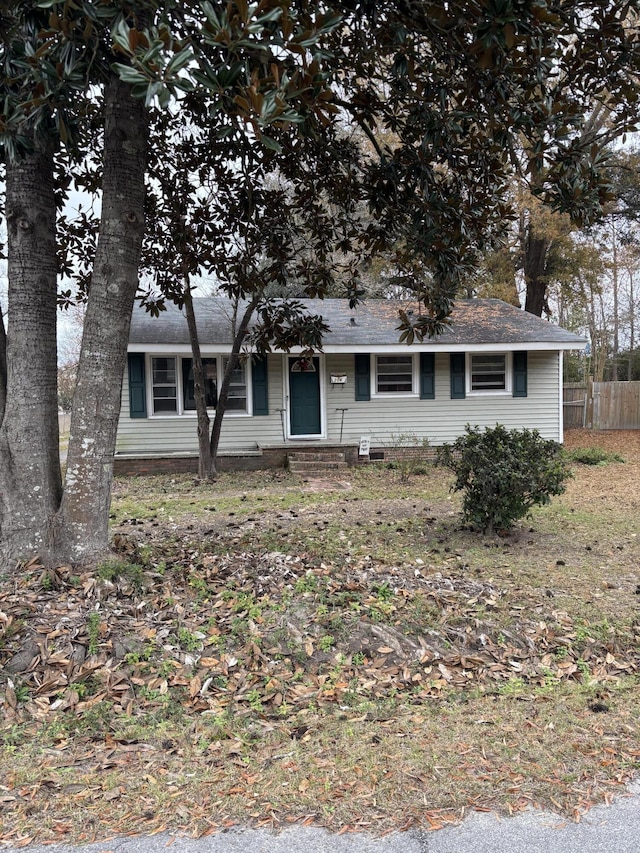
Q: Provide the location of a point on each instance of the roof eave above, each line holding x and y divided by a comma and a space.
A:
344, 349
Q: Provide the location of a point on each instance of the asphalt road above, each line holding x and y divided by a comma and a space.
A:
605, 829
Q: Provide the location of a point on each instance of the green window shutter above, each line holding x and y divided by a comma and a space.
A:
520, 374
458, 383
260, 385
363, 376
427, 376
137, 386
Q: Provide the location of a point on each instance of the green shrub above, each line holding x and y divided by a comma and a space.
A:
503, 473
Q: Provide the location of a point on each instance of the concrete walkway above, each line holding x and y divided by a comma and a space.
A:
605, 829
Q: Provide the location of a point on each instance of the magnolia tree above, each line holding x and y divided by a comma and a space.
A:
445, 95
69, 83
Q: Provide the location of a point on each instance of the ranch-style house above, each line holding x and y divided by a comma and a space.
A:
358, 398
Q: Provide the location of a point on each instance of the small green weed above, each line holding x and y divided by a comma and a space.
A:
383, 591
22, 693
93, 632
114, 569
89, 687
550, 682
96, 719
14, 737
142, 656
585, 671
254, 698
593, 456
246, 603
513, 687
199, 585
593, 631
327, 642
307, 583
189, 641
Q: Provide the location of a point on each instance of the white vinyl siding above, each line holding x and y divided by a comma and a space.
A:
442, 419
382, 418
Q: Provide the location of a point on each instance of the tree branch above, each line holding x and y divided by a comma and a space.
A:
361, 124
221, 404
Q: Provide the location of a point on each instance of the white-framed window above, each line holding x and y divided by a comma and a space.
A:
395, 375
237, 399
172, 384
488, 373
164, 385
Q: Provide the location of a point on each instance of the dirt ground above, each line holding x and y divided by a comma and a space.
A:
626, 442
607, 483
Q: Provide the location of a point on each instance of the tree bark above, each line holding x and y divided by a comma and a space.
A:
223, 395
632, 328
84, 515
535, 261
3, 367
616, 306
30, 477
205, 471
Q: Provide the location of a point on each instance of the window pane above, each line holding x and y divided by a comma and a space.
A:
237, 399
488, 373
164, 371
164, 384
209, 365
394, 374
164, 405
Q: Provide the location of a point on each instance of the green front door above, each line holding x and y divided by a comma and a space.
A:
304, 396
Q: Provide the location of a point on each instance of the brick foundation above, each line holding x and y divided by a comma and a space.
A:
266, 458
141, 466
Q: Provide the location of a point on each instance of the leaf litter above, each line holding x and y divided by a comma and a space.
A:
197, 689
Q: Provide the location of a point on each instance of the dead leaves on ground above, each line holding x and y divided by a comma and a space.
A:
260, 633
269, 642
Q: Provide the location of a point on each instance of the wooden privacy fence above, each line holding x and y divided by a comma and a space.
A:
602, 405
574, 396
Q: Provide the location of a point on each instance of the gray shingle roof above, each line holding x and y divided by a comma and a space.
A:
473, 322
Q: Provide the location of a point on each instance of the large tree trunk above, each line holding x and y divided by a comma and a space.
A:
535, 268
30, 478
615, 290
632, 328
83, 527
3, 367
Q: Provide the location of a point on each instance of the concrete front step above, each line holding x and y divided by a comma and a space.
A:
307, 462
316, 456
297, 466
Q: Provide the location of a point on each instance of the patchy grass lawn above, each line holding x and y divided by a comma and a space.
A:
346, 653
